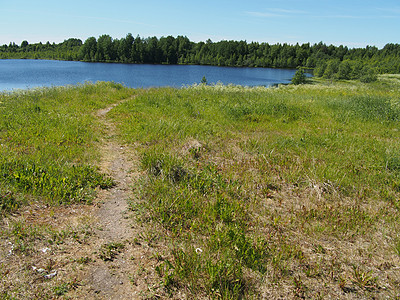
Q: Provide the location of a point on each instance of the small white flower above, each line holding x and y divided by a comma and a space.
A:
51, 275
44, 250
38, 270
11, 251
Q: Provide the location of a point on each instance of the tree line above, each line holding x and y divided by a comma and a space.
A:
331, 61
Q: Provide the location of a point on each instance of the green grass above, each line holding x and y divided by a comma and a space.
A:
245, 192
272, 173
48, 143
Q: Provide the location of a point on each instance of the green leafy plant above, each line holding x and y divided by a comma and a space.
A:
62, 185
110, 250
363, 279
61, 289
8, 201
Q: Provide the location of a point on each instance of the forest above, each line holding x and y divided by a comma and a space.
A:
336, 62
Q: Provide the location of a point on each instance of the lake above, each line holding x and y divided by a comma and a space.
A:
26, 73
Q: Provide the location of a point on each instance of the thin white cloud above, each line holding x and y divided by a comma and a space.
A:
354, 17
344, 17
263, 14
276, 12
281, 13
288, 11
359, 17
394, 10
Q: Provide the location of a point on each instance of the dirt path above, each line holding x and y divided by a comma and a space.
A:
119, 163
112, 274
80, 251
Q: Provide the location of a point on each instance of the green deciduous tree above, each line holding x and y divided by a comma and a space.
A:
299, 77
344, 70
88, 50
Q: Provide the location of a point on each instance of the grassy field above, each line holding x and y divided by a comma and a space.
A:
48, 143
288, 192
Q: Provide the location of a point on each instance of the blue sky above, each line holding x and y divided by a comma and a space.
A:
352, 23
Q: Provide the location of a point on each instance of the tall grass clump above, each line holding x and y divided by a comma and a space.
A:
48, 140
8, 201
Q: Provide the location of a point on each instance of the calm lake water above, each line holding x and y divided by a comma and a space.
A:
25, 73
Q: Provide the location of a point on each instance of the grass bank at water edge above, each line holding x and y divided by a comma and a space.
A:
244, 193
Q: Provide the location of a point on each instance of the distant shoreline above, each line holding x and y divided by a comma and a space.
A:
338, 62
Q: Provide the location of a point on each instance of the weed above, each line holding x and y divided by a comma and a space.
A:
84, 260
132, 279
110, 250
63, 288
8, 201
393, 162
226, 279
196, 152
166, 272
342, 283
396, 246
319, 249
71, 185
165, 166
299, 288
312, 271
363, 279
